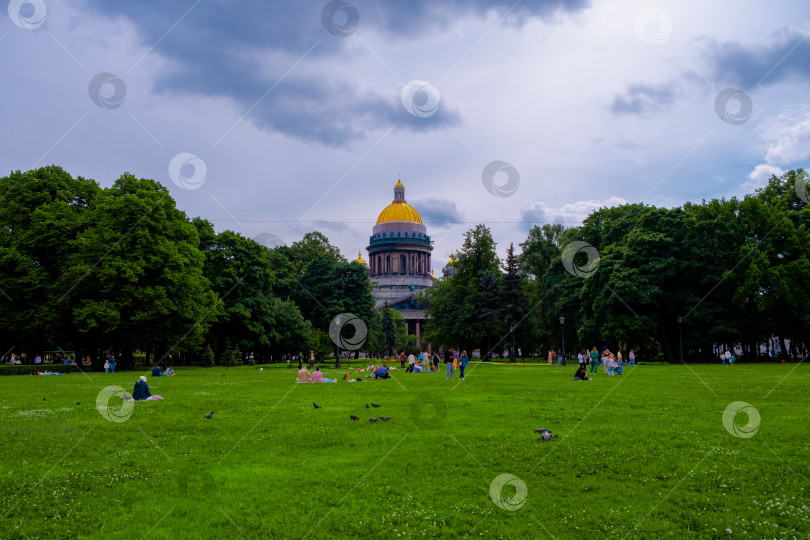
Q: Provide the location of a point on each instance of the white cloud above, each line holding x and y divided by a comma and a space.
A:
760, 175
789, 138
570, 214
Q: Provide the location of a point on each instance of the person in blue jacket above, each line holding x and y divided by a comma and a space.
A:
462, 362
382, 373
141, 391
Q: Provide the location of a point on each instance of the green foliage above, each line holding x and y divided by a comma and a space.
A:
389, 329
43, 212
138, 271
207, 359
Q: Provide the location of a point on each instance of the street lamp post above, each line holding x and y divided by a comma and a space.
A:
512, 358
680, 336
562, 333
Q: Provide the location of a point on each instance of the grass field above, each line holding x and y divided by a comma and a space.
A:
642, 455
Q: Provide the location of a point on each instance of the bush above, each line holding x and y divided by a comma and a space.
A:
27, 370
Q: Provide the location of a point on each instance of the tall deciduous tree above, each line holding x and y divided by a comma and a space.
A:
43, 211
138, 272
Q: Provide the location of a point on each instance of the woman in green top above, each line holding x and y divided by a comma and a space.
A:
594, 361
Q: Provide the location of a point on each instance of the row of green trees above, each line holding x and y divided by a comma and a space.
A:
734, 271
120, 269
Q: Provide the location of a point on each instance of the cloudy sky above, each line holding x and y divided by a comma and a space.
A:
277, 118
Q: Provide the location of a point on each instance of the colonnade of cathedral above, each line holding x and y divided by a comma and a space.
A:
397, 262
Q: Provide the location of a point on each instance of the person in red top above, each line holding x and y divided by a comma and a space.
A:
317, 376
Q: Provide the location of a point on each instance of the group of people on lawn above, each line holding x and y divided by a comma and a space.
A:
422, 363
611, 362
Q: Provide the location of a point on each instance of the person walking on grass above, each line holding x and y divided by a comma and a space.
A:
594, 360
631, 357
448, 364
402, 360
462, 363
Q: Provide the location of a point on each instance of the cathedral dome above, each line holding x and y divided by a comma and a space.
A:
399, 210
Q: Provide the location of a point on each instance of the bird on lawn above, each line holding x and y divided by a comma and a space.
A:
210, 415
367, 405
372, 420
353, 417
385, 418
548, 436
316, 405
375, 405
43, 399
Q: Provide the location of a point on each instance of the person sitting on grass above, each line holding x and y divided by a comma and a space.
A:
169, 372
157, 372
141, 392
381, 373
419, 367
303, 375
581, 374
317, 376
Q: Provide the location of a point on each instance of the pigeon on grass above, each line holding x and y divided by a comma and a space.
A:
210, 415
372, 420
545, 435
353, 417
375, 405
385, 418
316, 405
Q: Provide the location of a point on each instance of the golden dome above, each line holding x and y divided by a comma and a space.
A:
360, 258
399, 211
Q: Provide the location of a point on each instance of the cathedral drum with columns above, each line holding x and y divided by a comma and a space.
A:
399, 261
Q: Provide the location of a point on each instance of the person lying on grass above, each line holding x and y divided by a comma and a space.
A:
317, 376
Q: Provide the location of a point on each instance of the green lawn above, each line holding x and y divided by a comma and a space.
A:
643, 455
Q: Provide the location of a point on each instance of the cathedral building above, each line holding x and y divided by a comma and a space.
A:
399, 261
